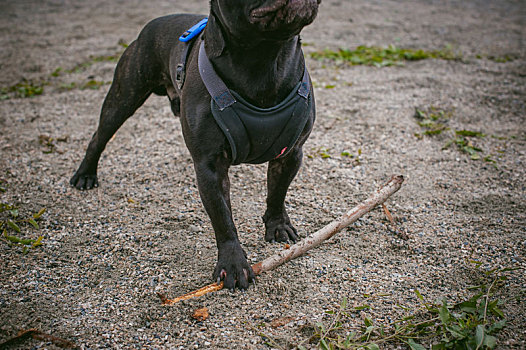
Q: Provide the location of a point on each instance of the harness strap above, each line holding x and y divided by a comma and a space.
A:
186, 38
214, 84
220, 92
304, 89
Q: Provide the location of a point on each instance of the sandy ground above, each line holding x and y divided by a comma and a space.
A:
107, 252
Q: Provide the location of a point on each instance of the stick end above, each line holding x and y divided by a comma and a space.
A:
397, 179
164, 299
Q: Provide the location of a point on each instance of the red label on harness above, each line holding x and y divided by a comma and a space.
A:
282, 151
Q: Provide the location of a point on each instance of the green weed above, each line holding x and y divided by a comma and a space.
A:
464, 144
57, 72
470, 324
67, 86
355, 158
82, 66
26, 88
50, 143
23, 89
322, 152
435, 121
325, 153
382, 57
93, 84
503, 58
123, 43
10, 221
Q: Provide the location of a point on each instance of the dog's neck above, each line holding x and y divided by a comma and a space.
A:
263, 74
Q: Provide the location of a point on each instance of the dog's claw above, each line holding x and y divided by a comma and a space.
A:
84, 182
232, 268
279, 229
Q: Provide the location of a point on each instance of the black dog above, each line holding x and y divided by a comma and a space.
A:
254, 47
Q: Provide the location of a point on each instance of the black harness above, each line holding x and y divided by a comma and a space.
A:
256, 135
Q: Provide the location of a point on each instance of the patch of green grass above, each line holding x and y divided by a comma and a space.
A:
434, 121
469, 133
503, 58
470, 324
50, 143
26, 88
82, 66
488, 159
90, 84
324, 152
383, 57
23, 89
93, 84
11, 225
67, 86
57, 72
464, 145
355, 158
123, 43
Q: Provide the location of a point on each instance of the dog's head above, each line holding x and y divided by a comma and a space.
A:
248, 22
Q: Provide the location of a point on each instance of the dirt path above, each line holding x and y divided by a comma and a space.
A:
107, 252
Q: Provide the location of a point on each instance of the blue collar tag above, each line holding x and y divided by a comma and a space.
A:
194, 31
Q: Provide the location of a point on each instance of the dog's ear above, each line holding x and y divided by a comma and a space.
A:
214, 38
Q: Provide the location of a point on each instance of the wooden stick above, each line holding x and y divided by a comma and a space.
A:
309, 242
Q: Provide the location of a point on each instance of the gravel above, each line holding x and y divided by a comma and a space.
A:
107, 252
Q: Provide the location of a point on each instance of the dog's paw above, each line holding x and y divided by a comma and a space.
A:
84, 181
279, 229
232, 267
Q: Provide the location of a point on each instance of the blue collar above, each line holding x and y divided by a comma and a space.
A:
191, 33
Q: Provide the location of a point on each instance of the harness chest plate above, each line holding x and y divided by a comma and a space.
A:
256, 135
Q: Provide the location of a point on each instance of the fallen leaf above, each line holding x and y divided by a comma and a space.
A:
201, 314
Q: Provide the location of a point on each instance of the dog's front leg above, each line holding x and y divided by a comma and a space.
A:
280, 174
214, 187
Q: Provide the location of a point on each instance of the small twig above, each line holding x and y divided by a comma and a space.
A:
330, 328
388, 214
196, 293
487, 300
37, 335
312, 241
